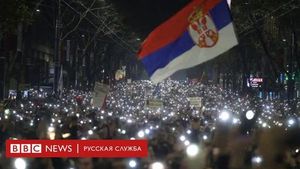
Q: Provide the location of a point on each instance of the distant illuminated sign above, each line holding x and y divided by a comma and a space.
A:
254, 82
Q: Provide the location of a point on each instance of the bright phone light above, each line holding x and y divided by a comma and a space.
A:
157, 165
51, 129
182, 138
257, 160
224, 116
141, 134
132, 164
6, 111
192, 150
250, 114
235, 121
66, 135
20, 163
90, 132
147, 131
188, 131
186, 142
291, 122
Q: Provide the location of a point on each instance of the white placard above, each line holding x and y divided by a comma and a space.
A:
195, 101
154, 104
99, 94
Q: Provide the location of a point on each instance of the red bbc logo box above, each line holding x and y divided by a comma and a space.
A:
25, 148
76, 148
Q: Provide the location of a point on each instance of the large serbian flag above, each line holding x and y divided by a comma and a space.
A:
199, 32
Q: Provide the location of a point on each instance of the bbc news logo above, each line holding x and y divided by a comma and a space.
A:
77, 148
25, 148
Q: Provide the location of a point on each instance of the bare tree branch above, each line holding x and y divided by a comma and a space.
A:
72, 20
101, 8
82, 16
91, 40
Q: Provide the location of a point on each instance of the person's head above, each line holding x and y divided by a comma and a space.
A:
195, 119
58, 134
85, 163
119, 164
113, 121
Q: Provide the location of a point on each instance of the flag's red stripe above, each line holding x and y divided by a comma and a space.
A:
173, 28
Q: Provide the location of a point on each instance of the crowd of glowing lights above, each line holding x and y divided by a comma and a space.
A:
127, 102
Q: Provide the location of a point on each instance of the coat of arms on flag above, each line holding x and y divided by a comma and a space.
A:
202, 29
199, 32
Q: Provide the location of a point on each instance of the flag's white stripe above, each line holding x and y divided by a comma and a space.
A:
196, 55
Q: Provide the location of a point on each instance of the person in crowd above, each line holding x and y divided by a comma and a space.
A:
85, 163
73, 128
169, 128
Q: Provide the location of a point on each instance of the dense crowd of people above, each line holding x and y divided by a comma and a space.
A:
222, 130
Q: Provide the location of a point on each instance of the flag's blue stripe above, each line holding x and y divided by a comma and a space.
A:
221, 15
163, 56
